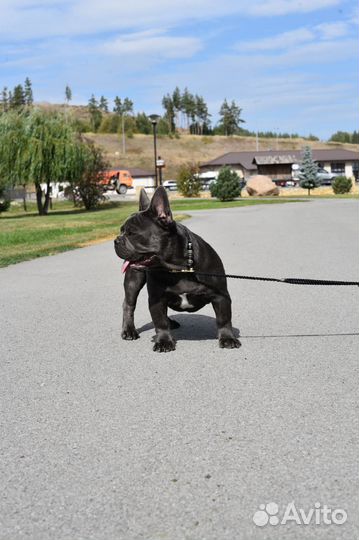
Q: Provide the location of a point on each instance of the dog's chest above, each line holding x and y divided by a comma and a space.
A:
188, 298
184, 301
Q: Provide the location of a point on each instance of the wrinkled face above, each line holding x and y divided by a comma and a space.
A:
141, 241
145, 238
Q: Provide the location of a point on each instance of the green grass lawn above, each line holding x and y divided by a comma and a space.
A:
26, 235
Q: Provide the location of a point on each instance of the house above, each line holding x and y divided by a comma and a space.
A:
278, 164
143, 178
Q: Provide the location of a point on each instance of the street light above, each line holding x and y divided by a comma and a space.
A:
154, 119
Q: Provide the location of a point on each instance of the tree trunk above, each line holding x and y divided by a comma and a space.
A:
24, 199
42, 205
39, 200
47, 198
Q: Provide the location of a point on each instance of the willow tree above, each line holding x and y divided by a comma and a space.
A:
39, 148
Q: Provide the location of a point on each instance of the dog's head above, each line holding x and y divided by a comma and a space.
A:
145, 237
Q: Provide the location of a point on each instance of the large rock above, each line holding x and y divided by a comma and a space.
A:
261, 186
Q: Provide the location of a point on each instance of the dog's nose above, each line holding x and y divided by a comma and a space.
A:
117, 240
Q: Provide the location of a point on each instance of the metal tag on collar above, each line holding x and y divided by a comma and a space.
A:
189, 257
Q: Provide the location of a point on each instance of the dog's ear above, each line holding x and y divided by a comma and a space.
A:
144, 201
160, 206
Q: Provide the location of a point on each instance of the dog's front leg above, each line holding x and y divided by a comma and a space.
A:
134, 281
164, 342
223, 310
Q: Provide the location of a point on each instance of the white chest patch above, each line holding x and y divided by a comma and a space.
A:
184, 301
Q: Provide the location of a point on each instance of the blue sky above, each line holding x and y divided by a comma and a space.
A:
291, 65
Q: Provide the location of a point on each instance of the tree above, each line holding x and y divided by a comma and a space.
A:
341, 185
167, 104
123, 108
188, 182
68, 94
143, 124
28, 94
4, 99
176, 101
228, 185
95, 113
87, 189
230, 117
103, 105
38, 148
308, 176
18, 97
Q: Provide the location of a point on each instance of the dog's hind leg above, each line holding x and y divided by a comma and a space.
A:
134, 281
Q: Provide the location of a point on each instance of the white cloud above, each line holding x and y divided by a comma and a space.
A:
36, 19
332, 30
153, 44
280, 41
285, 7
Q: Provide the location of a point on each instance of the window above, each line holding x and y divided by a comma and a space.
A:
337, 168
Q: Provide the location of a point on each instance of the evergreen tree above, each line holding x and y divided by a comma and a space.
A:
103, 105
123, 108
308, 176
4, 99
230, 117
176, 100
28, 94
118, 105
18, 97
228, 185
68, 94
167, 104
95, 113
188, 182
341, 185
143, 124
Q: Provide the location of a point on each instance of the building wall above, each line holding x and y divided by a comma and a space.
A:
148, 182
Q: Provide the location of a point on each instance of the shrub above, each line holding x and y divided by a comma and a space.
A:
86, 190
341, 185
188, 183
4, 201
228, 185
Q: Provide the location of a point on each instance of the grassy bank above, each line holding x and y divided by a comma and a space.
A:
25, 235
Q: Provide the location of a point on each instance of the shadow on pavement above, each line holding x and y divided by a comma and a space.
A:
193, 327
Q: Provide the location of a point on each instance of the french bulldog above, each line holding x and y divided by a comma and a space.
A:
156, 250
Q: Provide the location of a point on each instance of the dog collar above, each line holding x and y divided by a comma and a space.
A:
188, 253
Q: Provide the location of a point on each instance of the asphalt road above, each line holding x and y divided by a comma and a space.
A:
104, 439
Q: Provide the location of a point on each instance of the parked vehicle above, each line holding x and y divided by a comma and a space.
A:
171, 185
117, 179
324, 176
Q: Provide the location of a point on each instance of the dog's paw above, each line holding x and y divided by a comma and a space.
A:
173, 324
229, 343
164, 345
130, 333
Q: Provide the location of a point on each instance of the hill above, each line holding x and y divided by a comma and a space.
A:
139, 149
175, 151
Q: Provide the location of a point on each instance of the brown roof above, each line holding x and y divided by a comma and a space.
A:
245, 159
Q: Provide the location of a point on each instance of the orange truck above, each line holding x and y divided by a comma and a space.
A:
116, 179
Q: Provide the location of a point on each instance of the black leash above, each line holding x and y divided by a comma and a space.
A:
292, 281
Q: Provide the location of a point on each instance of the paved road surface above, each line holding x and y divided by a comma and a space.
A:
104, 439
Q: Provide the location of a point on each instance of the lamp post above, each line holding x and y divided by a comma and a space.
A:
154, 118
